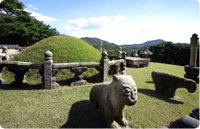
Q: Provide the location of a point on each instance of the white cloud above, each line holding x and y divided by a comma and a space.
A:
120, 30
32, 7
41, 17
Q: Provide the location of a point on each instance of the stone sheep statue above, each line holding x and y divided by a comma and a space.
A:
167, 84
110, 99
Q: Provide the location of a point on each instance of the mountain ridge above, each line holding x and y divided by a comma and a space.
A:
93, 40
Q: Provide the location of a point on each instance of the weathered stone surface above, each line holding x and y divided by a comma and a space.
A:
137, 62
193, 49
78, 78
146, 53
110, 99
105, 66
192, 73
48, 73
167, 84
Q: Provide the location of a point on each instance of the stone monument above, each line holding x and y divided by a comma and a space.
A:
166, 84
146, 53
110, 99
135, 54
100, 48
192, 71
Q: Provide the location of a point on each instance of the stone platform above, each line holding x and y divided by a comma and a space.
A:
137, 62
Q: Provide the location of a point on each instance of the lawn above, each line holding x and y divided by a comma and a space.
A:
69, 106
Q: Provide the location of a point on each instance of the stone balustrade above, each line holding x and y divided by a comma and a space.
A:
48, 69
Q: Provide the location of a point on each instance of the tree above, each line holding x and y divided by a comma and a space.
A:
18, 27
171, 53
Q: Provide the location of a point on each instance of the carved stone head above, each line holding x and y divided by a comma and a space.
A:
126, 89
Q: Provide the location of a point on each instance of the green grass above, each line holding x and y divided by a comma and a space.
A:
69, 106
65, 49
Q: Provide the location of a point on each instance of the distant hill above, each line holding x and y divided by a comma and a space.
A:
97, 41
148, 43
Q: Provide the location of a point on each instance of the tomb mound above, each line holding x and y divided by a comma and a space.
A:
65, 49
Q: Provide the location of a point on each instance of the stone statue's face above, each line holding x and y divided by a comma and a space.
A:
127, 89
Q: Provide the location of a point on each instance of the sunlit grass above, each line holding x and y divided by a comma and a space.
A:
69, 106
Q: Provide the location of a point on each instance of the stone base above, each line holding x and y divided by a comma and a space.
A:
192, 73
79, 82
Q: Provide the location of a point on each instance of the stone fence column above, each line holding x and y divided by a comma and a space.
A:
192, 72
48, 63
105, 65
123, 65
193, 50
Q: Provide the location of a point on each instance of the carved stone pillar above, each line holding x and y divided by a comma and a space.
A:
19, 76
54, 72
105, 66
78, 78
192, 72
123, 65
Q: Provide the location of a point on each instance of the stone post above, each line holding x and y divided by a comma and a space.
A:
100, 49
123, 65
105, 65
192, 72
48, 63
193, 50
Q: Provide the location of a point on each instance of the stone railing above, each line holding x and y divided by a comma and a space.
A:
48, 69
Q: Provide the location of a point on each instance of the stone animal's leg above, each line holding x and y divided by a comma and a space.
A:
110, 121
122, 120
171, 92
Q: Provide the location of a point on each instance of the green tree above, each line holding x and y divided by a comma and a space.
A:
18, 27
171, 53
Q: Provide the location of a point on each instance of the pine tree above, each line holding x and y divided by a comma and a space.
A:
18, 27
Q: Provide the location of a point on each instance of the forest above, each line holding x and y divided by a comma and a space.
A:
171, 53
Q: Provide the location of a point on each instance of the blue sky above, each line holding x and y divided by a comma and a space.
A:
120, 21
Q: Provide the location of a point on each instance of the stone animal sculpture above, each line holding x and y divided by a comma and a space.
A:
110, 99
167, 84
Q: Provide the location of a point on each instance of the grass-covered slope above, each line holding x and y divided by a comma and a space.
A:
69, 107
64, 49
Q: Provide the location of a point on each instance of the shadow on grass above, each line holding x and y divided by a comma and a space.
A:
149, 82
82, 116
154, 94
93, 79
28, 87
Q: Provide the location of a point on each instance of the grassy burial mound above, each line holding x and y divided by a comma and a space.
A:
64, 49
